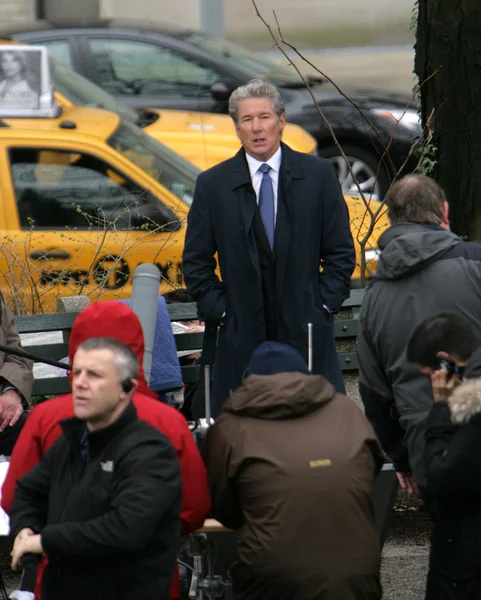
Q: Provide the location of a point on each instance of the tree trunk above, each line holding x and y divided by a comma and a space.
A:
448, 43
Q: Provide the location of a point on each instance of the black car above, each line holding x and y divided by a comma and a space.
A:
148, 65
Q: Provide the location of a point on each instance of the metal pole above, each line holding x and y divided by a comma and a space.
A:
309, 347
212, 17
207, 393
145, 299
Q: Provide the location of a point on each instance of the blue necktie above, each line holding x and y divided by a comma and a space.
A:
266, 204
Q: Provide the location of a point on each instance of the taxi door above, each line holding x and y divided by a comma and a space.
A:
78, 219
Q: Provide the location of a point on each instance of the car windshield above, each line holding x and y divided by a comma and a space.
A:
82, 92
249, 61
168, 168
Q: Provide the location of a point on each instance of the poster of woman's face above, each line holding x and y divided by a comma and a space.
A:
20, 73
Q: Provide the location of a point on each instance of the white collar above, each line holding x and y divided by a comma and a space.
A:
274, 162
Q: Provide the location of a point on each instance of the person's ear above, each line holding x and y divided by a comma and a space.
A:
445, 218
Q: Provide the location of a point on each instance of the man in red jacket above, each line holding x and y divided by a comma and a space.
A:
115, 320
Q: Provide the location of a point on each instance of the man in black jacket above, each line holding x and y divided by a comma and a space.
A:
104, 503
447, 349
278, 223
424, 269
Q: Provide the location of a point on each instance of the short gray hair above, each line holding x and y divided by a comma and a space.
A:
415, 199
125, 358
255, 88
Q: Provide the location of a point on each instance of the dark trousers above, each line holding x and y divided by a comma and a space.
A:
441, 587
9, 435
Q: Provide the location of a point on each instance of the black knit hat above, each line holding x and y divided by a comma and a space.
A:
273, 357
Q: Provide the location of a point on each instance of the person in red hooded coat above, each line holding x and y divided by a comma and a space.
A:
116, 320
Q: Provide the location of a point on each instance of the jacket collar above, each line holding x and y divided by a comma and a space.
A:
400, 229
74, 429
280, 396
291, 167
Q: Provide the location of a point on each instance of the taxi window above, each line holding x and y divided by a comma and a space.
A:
171, 170
133, 68
57, 189
60, 50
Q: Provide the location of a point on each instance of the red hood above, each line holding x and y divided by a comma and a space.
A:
111, 319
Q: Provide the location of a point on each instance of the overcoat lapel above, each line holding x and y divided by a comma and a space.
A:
246, 197
291, 170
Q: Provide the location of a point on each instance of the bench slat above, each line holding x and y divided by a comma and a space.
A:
189, 341
190, 373
45, 323
193, 341
355, 299
186, 311
51, 386
52, 351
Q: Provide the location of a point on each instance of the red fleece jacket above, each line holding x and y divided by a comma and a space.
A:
116, 320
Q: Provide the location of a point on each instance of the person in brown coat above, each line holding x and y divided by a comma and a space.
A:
291, 464
16, 381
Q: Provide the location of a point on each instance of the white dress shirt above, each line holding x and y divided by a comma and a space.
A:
256, 176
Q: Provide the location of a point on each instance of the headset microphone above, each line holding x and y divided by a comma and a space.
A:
127, 385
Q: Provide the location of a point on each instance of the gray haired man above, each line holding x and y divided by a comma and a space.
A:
104, 502
277, 222
424, 270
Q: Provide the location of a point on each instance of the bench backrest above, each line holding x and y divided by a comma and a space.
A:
345, 328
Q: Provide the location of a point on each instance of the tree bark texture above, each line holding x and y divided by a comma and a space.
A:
448, 43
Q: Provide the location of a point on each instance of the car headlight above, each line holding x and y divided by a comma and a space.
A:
372, 254
408, 119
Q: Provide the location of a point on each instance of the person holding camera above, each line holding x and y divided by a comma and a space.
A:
447, 350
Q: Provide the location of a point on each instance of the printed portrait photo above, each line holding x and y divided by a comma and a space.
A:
19, 78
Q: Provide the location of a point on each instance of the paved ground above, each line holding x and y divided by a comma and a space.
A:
406, 553
403, 571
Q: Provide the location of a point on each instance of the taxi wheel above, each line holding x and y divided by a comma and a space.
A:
364, 167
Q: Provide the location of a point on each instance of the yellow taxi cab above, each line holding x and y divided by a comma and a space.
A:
84, 198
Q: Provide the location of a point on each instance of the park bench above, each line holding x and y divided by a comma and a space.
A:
345, 331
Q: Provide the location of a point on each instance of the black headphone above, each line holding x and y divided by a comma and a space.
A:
127, 385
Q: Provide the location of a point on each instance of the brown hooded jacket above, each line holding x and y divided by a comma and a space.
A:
292, 464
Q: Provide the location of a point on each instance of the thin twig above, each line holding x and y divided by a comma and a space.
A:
326, 121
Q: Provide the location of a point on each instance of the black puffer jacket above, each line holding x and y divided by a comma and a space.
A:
110, 529
453, 475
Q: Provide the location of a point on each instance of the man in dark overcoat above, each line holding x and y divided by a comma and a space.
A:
276, 222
